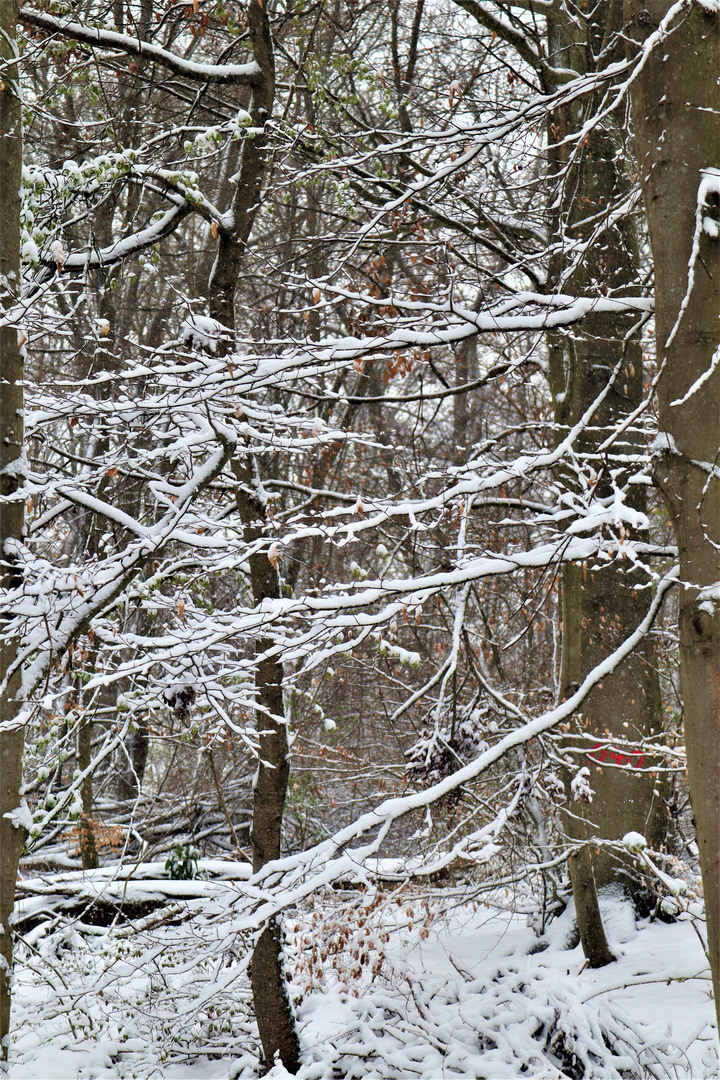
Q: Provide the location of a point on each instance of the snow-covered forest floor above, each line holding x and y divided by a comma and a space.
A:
396, 982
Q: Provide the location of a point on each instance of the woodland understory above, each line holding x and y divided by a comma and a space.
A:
359, 538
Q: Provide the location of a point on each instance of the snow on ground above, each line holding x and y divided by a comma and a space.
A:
399, 987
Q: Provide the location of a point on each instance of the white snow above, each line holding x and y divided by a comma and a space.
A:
710, 226
580, 786
662, 443
395, 652
110, 39
445, 991
58, 252
202, 331
707, 374
30, 251
708, 598
21, 816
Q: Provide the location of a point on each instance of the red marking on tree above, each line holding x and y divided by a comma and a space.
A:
610, 754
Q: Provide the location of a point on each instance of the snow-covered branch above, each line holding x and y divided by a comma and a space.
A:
195, 71
285, 882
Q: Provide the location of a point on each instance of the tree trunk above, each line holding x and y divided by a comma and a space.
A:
86, 826
600, 605
676, 109
464, 355
599, 608
12, 833
587, 910
132, 762
273, 1010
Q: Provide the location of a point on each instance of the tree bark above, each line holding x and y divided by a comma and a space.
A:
132, 762
676, 111
600, 605
273, 1011
12, 506
587, 910
86, 827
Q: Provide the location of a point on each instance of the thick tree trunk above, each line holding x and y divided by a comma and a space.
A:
600, 606
587, 910
12, 833
676, 109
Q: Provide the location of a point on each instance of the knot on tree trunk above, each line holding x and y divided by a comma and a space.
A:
701, 620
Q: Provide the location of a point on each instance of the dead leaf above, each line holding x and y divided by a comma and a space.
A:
273, 556
214, 230
112, 471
